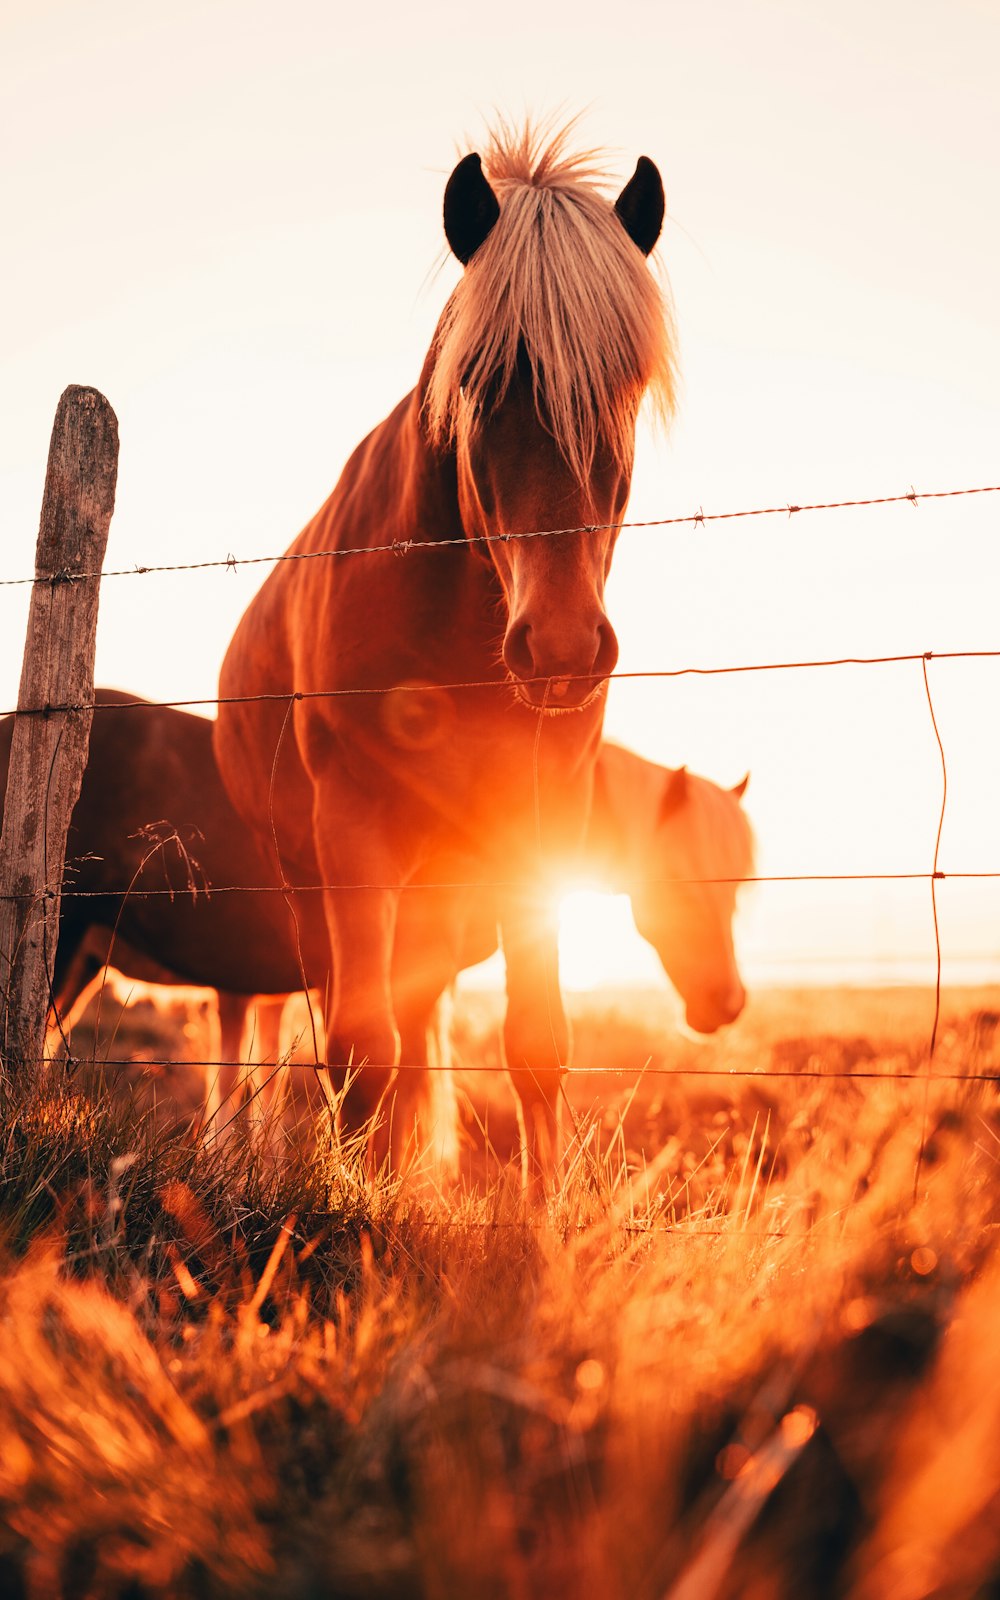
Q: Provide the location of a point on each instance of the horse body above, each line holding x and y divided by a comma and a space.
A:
362, 800
152, 814
361, 770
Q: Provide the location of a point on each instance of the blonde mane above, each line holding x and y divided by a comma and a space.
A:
559, 278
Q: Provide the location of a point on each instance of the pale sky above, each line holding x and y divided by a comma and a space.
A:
227, 217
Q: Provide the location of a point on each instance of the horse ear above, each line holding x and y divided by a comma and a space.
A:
674, 793
470, 208
740, 789
641, 205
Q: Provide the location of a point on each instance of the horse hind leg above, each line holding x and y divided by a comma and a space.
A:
407, 1101
297, 1089
225, 1074
249, 1077
424, 1109
80, 967
441, 1100
267, 1077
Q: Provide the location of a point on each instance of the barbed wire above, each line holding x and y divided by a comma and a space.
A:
933, 877
403, 547
925, 1076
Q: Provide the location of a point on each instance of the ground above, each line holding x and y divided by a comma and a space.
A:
747, 1351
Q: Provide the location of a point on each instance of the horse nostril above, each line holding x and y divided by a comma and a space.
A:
606, 658
560, 653
517, 650
733, 1002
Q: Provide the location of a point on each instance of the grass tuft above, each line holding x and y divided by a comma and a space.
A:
734, 1356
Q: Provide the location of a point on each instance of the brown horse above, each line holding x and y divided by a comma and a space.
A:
153, 816
153, 845
679, 846
675, 842
419, 570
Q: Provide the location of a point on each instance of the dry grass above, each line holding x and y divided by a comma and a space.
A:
738, 1358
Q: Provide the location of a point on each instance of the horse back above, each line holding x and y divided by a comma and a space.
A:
152, 834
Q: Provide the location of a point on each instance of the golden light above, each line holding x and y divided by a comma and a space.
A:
598, 944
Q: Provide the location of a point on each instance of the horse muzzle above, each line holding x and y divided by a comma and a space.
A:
715, 1009
559, 673
555, 695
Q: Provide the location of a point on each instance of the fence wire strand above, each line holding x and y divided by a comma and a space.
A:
500, 884
403, 547
749, 1074
937, 927
935, 875
645, 674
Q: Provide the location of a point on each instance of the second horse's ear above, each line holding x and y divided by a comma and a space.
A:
674, 793
470, 208
641, 205
740, 789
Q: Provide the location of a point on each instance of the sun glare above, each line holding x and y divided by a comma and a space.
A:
598, 944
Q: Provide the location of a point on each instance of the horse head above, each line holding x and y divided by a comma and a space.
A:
554, 333
701, 848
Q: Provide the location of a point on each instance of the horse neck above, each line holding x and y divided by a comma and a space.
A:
425, 477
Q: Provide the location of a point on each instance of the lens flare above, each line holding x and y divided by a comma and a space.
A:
598, 944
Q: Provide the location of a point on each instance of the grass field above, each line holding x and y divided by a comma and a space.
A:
748, 1351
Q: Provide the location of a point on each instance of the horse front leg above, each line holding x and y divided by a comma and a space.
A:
249, 1079
362, 1045
80, 967
426, 960
536, 1033
361, 873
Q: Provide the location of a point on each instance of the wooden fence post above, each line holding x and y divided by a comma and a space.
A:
49, 748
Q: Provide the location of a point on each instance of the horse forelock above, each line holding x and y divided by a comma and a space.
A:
559, 279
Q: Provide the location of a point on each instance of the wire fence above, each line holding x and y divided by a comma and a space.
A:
432, 542
500, 683
934, 875
749, 1074
499, 884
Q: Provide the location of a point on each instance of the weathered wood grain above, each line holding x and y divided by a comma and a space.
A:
52, 728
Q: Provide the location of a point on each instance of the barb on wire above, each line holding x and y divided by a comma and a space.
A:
401, 547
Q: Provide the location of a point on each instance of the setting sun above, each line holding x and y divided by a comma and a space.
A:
598, 944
